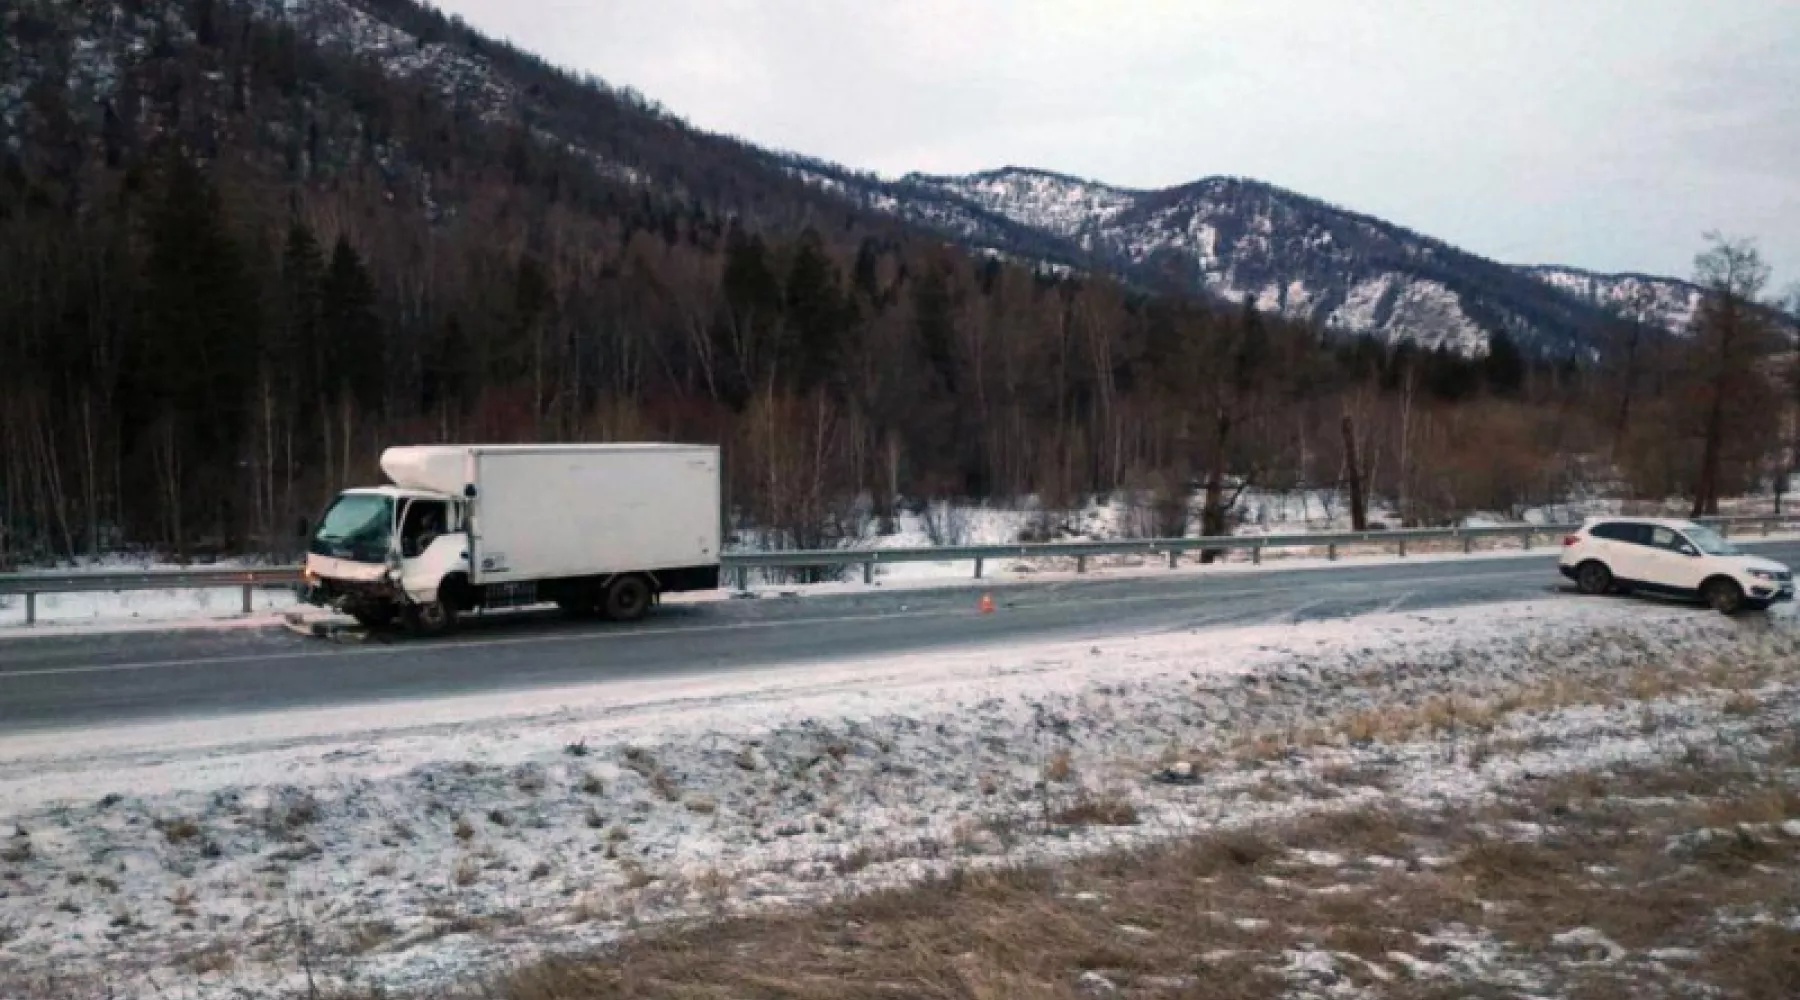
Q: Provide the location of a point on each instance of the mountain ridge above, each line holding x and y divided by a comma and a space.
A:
1407, 286
1234, 239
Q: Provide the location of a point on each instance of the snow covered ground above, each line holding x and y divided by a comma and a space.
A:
416, 845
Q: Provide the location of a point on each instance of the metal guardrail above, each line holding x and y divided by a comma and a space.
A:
249, 580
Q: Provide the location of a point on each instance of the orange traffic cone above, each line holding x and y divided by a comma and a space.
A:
987, 604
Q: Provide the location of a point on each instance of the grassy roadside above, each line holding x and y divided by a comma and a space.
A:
1666, 881
1674, 878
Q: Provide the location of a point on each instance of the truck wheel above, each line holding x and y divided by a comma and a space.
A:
627, 598
436, 618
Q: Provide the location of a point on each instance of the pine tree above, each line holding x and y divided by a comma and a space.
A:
1504, 366
298, 351
349, 326
196, 351
816, 313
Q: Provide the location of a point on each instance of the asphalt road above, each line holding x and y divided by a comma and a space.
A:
84, 681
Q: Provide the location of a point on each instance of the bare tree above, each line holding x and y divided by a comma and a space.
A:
1731, 336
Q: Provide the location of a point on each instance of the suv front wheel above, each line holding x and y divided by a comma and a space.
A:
1723, 596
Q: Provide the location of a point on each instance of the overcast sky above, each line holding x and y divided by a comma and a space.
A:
1608, 134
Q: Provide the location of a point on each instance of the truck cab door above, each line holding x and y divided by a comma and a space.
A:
431, 548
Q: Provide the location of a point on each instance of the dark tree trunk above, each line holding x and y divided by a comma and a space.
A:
1212, 513
1359, 501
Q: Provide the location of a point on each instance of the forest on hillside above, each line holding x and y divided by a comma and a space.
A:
226, 289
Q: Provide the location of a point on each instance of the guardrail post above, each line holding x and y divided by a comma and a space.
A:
1174, 558
868, 572
1331, 552
1528, 535
1468, 544
743, 578
1403, 548
1768, 527
30, 608
1081, 564
978, 562
1256, 554
248, 607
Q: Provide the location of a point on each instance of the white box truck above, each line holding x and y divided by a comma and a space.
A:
595, 528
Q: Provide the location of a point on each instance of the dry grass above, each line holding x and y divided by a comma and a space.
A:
1061, 767
1758, 805
292, 812
463, 830
467, 872
179, 831
665, 786
592, 785
1097, 810
362, 938
208, 961
1762, 965
1142, 918
17, 852
1742, 704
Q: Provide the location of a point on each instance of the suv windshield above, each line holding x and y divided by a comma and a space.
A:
357, 527
1710, 542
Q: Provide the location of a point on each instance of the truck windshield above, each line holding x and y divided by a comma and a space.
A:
358, 527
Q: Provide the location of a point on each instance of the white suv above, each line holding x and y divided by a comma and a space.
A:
1675, 558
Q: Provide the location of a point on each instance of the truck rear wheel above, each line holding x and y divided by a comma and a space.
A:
628, 598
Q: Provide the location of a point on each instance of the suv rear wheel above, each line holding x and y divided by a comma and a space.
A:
1592, 577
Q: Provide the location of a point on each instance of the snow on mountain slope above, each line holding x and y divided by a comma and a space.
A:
1064, 206
1666, 302
1241, 240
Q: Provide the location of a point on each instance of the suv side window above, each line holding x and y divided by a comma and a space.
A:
1671, 540
1615, 531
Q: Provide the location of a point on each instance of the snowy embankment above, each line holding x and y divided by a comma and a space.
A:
418, 845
